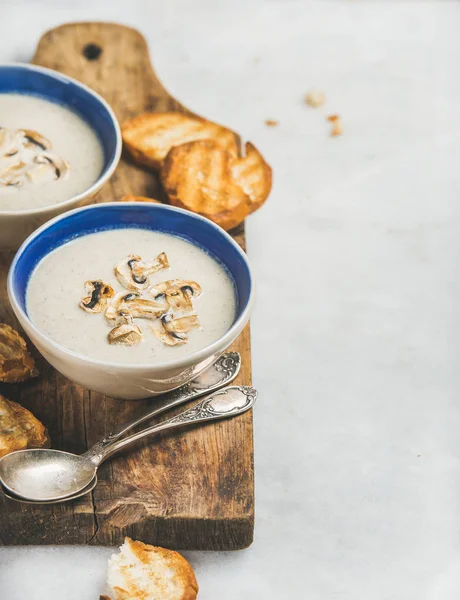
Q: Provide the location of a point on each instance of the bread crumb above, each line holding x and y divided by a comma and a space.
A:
315, 99
337, 128
271, 122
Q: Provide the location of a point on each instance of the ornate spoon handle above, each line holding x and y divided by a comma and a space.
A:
219, 374
229, 402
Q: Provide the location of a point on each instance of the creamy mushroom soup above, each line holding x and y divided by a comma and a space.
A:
131, 296
48, 154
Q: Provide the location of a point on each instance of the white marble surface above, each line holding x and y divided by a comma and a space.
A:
355, 336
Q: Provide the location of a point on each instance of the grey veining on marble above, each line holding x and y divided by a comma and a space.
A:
357, 257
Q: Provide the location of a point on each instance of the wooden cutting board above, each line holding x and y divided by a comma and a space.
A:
194, 490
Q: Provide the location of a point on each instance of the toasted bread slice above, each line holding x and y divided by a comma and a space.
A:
253, 175
143, 572
150, 136
197, 176
19, 429
131, 198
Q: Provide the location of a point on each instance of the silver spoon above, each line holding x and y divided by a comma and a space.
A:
45, 475
219, 374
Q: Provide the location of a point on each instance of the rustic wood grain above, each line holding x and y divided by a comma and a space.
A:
194, 490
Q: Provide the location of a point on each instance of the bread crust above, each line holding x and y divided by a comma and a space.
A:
19, 428
150, 136
254, 175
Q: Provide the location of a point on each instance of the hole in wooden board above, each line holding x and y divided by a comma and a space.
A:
92, 51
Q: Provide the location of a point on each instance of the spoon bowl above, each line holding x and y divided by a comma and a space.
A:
86, 490
45, 475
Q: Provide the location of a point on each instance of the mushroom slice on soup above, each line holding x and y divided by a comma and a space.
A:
32, 139
8, 143
25, 157
12, 174
133, 273
126, 333
178, 293
47, 167
98, 292
135, 306
173, 331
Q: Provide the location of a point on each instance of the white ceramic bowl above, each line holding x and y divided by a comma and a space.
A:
15, 226
139, 380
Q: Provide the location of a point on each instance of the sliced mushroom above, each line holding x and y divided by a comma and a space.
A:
135, 306
98, 293
126, 333
13, 174
190, 287
141, 308
8, 143
172, 331
124, 274
114, 312
32, 138
133, 273
185, 324
47, 167
178, 293
24, 158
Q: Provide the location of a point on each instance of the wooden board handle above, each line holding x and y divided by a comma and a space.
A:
103, 55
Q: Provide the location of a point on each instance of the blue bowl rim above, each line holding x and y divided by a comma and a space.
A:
112, 165
194, 358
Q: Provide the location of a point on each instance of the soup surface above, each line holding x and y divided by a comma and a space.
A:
56, 288
27, 177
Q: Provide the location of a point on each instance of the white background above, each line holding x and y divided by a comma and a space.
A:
356, 253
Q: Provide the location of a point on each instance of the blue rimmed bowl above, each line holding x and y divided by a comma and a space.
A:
50, 85
120, 380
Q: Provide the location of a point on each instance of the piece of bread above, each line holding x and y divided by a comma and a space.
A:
197, 176
19, 429
150, 136
131, 198
143, 572
253, 175
203, 177
16, 364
